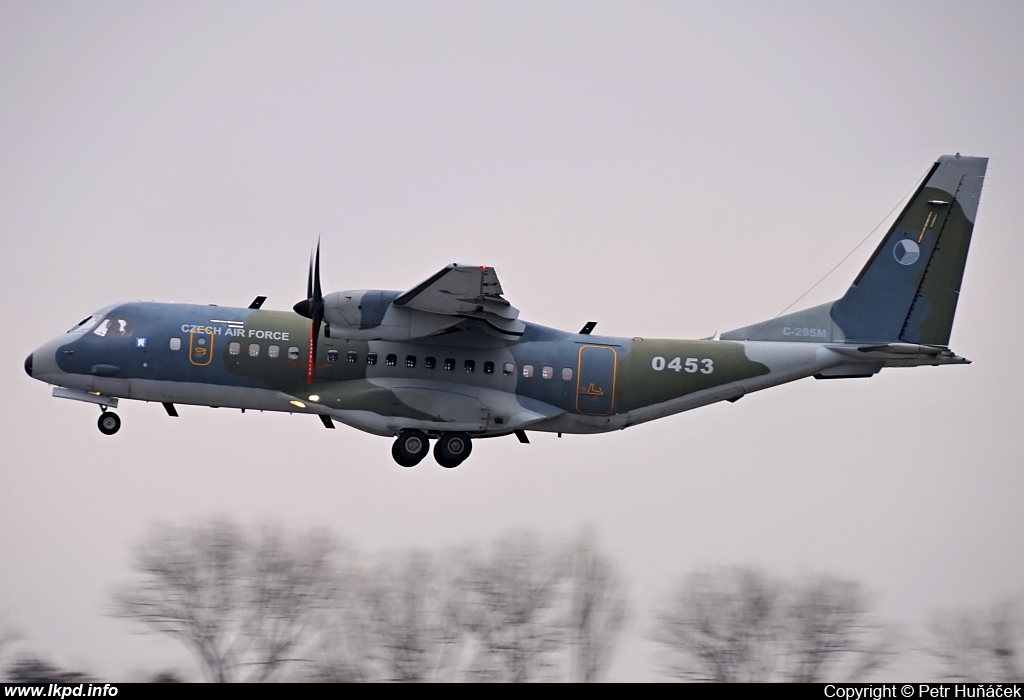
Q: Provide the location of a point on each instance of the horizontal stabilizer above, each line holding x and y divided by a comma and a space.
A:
902, 349
901, 354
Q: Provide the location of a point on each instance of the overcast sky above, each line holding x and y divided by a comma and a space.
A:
666, 169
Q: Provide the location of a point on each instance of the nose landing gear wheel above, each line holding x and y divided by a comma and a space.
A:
410, 448
109, 423
452, 449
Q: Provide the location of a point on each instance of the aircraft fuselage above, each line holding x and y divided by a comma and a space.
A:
548, 380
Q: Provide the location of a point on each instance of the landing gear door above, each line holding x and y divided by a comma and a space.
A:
595, 380
200, 347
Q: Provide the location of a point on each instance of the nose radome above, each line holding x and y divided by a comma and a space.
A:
28, 365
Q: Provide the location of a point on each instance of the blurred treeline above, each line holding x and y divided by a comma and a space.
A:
271, 604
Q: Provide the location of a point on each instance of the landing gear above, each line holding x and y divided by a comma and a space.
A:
410, 448
452, 449
109, 423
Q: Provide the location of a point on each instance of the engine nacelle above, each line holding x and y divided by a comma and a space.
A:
368, 314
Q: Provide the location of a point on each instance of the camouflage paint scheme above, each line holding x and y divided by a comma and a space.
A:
898, 312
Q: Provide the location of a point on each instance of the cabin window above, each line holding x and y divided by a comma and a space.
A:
352, 357
234, 348
547, 372
488, 367
508, 369
293, 353
114, 328
469, 365
410, 361
567, 374
371, 358
274, 351
176, 344
391, 360
254, 349
527, 371
332, 356
449, 364
430, 362
83, 323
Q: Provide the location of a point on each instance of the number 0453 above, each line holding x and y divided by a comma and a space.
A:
704, 365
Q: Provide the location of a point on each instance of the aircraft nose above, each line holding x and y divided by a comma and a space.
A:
28, 365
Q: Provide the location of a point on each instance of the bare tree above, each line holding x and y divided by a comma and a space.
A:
740, 625
407, 631
719, 626
981, 645
509, 605
512, 614
244, 605
29, 668
247, 606
828, 633
336, 655
8, 638
597, 610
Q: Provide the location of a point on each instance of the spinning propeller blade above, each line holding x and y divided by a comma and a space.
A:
312, 307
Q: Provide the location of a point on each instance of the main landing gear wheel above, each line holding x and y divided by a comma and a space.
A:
452, 449
109, 423
410, 448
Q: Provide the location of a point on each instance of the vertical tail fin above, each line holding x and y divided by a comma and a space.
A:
910, 286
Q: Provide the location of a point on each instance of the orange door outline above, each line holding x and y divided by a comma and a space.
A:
199, 353
585, 386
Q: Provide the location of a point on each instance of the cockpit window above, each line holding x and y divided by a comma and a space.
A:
84, 324
113, 328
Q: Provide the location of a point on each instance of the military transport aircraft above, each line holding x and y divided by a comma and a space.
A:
449, 360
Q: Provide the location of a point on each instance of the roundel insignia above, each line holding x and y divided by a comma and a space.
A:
906, 252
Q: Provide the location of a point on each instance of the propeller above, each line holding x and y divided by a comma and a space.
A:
312, 307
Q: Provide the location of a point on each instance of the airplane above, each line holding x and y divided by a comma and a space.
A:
450, 360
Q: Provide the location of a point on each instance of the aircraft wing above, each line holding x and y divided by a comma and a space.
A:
466, 291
